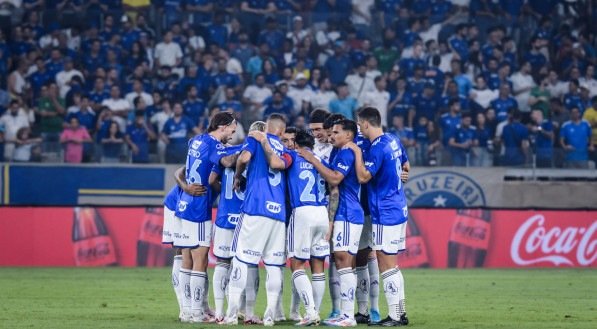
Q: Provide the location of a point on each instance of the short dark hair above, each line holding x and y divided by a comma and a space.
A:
371, 115
291, 130
318, 116
348, 125
332, 120
277, 116
139, 113
303, 138
220, 119
136, 101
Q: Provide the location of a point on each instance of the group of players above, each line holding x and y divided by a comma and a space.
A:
291, 194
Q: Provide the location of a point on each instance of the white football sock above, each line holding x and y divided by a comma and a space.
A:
197, 286
251, 291
402, 306
184, 277
236, 286
373, 283
295, 299
318, 288
334, 286
362, 292
392, 286
304, 290
273, 284
348, 282
176, 281
206, 293
280, 304
220, 282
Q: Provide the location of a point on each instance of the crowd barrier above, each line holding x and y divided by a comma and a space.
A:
436, 238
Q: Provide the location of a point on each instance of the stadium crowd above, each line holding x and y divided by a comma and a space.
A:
461, 82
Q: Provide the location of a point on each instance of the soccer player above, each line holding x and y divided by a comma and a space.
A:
348, 221
260, 232
385, 167
222, 179
309, 229
195, 211
170, 225
322, 147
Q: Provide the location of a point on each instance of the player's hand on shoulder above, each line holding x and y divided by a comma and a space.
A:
306, 154
196, 189
353, 147
258, 135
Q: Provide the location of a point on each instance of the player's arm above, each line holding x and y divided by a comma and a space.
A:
191, 189
333, 202
363, 175
214, 182
229, 161
333, 177
241, 165
405, 172
273, 160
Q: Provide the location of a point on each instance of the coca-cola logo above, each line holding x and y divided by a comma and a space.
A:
94, 252
535, 242
469, 231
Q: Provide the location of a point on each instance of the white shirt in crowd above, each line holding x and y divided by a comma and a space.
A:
117, 105
130, 98
63, 78
591, 84
322, 99
358, 86
379, 100
11, 125
520, 82
557, 89
484, 96
159, 119
257, 94
364, 7
300, 95
168, 53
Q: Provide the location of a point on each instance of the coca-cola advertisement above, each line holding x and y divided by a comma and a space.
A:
436, 238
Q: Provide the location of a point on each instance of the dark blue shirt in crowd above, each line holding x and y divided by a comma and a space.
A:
140, 138
337, 68
543, 144
426, 107
573, 100
178, 132
449, 124
502, 106
194, 109
513, 135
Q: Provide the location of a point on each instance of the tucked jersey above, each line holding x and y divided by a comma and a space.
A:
349, 206
171, 198
305, 185
266, 187
204, 151
386, 194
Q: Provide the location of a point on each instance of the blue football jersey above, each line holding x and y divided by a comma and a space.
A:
305, 185
266, 187
349, 206
204, 151
230, 199
386, 191
171, 198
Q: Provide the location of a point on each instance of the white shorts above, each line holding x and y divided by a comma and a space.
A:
365, 241
168, 228
346, 236
306, 233
389, 239
257, 238
193, 235
222, 247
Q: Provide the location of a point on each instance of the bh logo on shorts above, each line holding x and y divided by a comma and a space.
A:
443, 189
273, 207
390, 288
235, 276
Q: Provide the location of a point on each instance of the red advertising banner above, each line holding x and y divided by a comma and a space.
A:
102, 236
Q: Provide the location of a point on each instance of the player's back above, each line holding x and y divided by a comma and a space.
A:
387, 156
230, 201
349, 207
265, 186
202, 155
306, 186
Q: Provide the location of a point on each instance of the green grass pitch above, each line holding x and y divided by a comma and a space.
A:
143, 298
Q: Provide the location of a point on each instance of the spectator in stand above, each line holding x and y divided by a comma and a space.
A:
73, 138
515, 139
231, 104
422, 146
324, 96
404, 134
277, 106
523, 83
168, 52
112, 144
344, 104
539, 97
590, 116
51, 109
64, 77
138, 91
556, 87
427, 105
338, 66
589, 80
462, 142
542, 136
301, 95
481, 96
158, 121
359, 84
272, 36
119, 106
572, 97
254, 97
481, 153
503, 103
575, 138
138, 135
451, 93
379, 98
193, 106
175, 135
12, 121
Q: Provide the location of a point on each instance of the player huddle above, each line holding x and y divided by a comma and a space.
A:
289, 194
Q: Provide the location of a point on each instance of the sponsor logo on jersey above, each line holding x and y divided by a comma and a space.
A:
276, 144
444, 189
220, 146
182, 205
233, 218
273, 207
343, 167
195, 145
